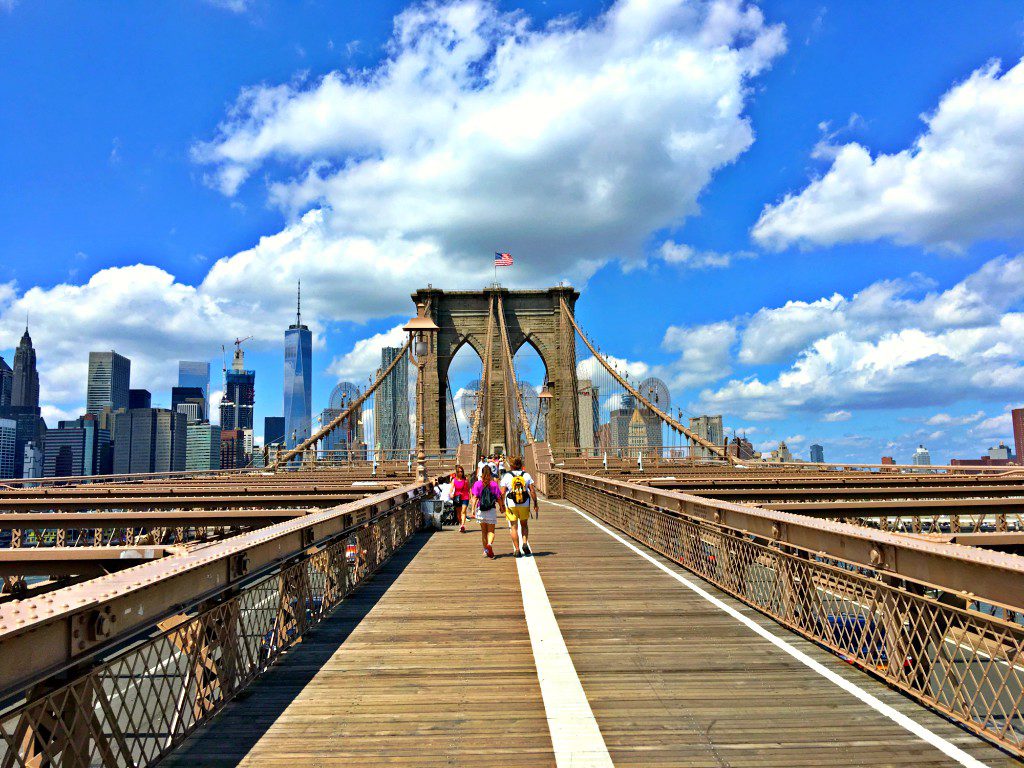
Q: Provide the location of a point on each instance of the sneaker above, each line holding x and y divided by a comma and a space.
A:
517, 553
462, 529
486, 554
526, 549
489, 552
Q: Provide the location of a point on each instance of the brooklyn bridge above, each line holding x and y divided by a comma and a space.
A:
683, 605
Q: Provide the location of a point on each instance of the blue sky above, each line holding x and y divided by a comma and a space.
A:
169, 170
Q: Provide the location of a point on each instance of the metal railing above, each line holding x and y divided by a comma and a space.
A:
898, 608
99, 694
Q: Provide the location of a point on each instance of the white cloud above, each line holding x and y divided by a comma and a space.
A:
363, 360
958, 183
774, 334
883, 348
683, 255
835, 416
139, 311
51, 414
945, 419
567, 144
590, 368
704, 353
235, 6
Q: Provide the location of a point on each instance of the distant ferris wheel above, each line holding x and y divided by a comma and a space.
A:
467, 402
343, 394
656, 391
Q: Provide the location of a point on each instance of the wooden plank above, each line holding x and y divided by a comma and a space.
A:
672, 680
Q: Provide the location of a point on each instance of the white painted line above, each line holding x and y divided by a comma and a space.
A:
575, 737
950, 750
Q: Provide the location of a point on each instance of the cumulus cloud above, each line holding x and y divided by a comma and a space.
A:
567, 144
885, 348
363, 360
139, 311
959, 182
704, 353
946, 420
980, 300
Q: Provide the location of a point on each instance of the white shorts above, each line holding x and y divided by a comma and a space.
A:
489, 516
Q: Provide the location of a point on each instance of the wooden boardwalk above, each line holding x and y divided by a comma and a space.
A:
431, 664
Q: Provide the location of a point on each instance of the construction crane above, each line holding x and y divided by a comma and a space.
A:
238, 352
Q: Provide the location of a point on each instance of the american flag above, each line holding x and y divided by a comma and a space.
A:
503, 259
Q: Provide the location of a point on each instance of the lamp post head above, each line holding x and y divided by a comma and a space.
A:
419, 329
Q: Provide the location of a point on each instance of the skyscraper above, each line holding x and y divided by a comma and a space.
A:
8, 431
202, 449
25, 377
150, 440
6, 382
298, 378
195, 374
232, 449
817, 454
710, 429
391, 406
191, 401
77, 448
236, 407
638, 437
273, 429
140, 398
1017, 416
921, 456
109, 374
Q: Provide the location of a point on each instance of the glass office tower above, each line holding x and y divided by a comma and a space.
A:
195, 374
298, 379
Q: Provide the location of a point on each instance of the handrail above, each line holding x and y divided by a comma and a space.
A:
36, 635
994, 576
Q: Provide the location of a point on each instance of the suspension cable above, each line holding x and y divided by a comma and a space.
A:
485, 379
524, 420
717, 449
337, 421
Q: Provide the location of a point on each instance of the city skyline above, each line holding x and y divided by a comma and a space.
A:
867, 339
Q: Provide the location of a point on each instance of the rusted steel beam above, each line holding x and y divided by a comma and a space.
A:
37, 636
898, 507
845, 493
972, 571
74, 561
167, 519
199, 489
280, 500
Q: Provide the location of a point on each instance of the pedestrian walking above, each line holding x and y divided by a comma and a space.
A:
485, 499
519, 494
460, 495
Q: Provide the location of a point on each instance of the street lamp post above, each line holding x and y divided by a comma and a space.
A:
420, 329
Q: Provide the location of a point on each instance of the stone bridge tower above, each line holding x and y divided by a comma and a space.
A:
531, 317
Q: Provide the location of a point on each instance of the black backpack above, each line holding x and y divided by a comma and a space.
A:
487, 500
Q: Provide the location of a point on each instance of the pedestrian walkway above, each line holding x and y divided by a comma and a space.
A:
436, 662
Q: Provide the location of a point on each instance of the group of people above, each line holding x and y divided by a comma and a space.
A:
498, 485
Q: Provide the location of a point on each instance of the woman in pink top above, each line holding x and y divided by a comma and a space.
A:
460, 495
485, 497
